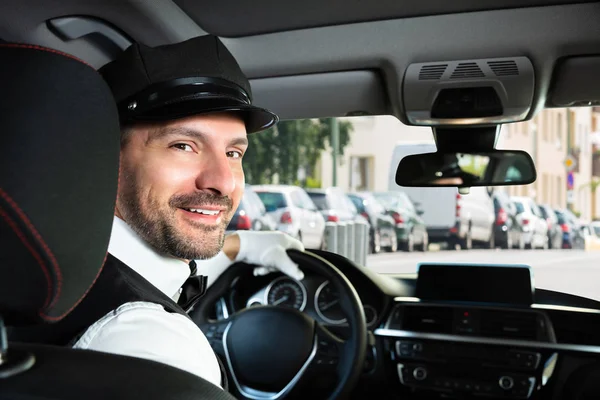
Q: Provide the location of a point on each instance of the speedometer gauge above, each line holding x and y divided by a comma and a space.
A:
286, 292
327, 304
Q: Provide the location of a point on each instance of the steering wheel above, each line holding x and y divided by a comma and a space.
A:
270, 350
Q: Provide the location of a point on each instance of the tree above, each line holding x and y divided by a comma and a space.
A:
592, 185
289, 146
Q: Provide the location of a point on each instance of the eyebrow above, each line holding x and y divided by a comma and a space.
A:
200, 136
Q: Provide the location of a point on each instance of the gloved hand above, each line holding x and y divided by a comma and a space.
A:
268, 249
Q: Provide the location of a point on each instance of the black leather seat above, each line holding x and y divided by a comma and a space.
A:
58, 181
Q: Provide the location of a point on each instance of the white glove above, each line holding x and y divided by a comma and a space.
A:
268, 249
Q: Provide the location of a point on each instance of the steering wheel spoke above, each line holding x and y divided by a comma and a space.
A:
329, 349
214, 332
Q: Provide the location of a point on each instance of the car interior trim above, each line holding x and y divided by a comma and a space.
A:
552, 307
484, 340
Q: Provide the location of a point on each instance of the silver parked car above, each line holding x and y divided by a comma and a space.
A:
294, 212
533, 223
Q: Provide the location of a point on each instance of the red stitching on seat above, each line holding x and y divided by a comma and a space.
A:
45, 247
49, 318
31, 249
34, 47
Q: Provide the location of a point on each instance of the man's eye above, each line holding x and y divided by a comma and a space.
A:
234, 154
183, 147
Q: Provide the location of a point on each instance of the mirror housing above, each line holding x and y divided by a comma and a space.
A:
466, 169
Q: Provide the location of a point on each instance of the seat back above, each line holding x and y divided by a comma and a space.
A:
59, 160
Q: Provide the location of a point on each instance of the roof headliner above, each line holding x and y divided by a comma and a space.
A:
388, 46
236, 18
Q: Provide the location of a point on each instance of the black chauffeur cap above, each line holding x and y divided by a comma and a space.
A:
198, 76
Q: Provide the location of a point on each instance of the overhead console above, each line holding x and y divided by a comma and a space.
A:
468, 92
471, 332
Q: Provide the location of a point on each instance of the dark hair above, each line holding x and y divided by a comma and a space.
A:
126, 132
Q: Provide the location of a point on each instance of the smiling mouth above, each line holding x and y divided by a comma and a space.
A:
203, 211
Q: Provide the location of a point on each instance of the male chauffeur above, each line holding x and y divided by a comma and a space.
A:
186, 112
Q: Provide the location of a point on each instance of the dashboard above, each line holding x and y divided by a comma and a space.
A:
313, 295
454, 334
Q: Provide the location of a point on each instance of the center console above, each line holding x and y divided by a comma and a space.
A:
465, 349
477, 370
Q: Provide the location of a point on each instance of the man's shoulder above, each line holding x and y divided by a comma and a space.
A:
136, 321
143, 329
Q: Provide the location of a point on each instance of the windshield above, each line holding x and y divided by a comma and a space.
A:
272, 200
320, 200
365, 162
358, 202
394, 201
520, 207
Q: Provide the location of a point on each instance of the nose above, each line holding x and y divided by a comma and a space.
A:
216, 175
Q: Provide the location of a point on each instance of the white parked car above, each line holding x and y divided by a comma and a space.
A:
294, 212
533, 223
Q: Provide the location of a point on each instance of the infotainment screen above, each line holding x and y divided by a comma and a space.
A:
476, 283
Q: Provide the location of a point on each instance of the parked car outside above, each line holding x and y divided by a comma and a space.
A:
251, 214
592, 236
535, 227
294, 212
334, 205
382, 233
571, 228
411, 231
508, 232
555, 234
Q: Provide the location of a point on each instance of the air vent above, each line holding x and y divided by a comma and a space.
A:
504, 68
428, 319
467, 70
432, 72
503, 324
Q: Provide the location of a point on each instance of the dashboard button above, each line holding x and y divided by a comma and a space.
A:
506, 382
420, 373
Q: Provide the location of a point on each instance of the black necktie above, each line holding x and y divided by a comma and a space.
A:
193, 288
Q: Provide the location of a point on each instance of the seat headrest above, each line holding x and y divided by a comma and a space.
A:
59, 160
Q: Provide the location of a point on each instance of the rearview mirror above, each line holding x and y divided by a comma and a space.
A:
486, 168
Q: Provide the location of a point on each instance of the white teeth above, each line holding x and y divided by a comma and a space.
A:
204, 212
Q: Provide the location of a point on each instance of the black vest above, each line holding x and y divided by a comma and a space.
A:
116, 285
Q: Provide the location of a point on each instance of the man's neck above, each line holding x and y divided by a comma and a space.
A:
118, 215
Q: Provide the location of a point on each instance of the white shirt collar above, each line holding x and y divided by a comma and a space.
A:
166, 273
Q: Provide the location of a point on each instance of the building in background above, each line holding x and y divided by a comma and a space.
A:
366, 161
560, 143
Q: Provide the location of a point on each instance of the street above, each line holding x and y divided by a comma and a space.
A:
571, 271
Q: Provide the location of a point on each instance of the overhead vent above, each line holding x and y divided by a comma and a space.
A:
467, 70
432, 72
507, 324
426, 85
504, 68
428, 319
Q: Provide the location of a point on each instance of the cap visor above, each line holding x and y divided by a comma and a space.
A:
255, 118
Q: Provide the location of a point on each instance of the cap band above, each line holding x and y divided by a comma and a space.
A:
178, 91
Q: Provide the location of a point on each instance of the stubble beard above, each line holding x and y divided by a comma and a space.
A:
158, 225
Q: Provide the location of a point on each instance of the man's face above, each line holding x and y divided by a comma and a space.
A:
181, 182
